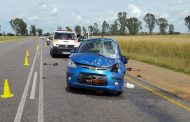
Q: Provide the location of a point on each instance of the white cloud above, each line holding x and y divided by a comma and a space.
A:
164, 15
179, 1
43, 4
79, 18
55, 10
33, 18
135, 11
184, 13
112, 16
88, 21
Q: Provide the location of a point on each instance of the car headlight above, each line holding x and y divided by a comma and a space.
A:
71, 64
115, 68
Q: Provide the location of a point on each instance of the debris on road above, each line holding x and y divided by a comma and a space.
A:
129, 69
139, 75
129, 85
54, 64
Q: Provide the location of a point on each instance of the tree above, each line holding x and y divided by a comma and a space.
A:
47, 34
68, 28
95, 29
114, 28
10, 34
105, 27
77, 29
39, 31
187, 22
122, 17
33, 30
84, 30
133, 25
90, 29
150, 21
19, 26
171, 29
4, 34
163, 25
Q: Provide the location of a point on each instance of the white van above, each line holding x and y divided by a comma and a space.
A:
63, 42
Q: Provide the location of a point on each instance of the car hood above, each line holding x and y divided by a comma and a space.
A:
93, 60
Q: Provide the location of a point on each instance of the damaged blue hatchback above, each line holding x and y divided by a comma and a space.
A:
97, 64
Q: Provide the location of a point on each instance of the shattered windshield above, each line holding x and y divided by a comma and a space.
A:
104, 47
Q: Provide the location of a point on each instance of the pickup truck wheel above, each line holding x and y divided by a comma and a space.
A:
51, 53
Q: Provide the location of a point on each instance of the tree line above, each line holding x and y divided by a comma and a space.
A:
19, 26
123, 25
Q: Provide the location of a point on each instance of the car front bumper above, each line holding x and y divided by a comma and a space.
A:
61, 50
73, 81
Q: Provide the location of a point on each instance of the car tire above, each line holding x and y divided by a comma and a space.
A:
71, 88
118, 93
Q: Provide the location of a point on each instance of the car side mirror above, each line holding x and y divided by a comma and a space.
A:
72, 51
125, 59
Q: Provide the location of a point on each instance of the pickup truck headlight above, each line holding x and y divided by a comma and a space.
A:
71, 64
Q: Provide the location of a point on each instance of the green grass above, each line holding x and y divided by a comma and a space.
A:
7, 38
161, 50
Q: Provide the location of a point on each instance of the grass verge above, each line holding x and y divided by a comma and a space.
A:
11, 38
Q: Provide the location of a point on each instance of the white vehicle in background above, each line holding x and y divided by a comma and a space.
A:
42, 37
49, 39
63, 42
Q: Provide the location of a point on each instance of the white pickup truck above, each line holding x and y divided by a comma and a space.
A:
63, 42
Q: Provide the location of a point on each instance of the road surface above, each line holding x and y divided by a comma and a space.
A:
40, 93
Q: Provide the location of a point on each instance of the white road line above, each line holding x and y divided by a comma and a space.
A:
32, 94
25, 92
40, 102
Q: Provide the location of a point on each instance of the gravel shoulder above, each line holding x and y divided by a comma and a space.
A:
174, 82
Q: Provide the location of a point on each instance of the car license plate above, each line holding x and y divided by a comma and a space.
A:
66, 53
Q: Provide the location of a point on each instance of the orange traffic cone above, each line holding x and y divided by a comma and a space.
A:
6, 93
26, 61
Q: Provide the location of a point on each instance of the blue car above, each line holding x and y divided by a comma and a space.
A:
97, 64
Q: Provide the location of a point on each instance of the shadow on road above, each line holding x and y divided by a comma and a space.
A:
61, 56
91, 92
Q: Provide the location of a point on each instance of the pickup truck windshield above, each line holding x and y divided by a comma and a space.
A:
65, 36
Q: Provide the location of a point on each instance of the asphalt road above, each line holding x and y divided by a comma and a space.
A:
49, 100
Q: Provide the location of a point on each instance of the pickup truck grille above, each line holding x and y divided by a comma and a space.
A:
66, 46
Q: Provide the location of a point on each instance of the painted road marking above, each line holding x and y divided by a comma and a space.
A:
161, 95
32, 95
40, 102
25, 92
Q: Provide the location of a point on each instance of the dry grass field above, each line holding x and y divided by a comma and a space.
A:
6, 38
164, 51
161, 50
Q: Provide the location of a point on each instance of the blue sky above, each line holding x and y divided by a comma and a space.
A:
49, 14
